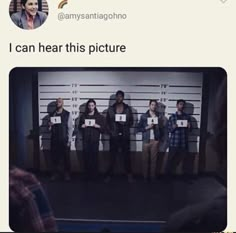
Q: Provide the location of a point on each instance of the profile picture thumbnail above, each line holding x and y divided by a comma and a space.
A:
28, 14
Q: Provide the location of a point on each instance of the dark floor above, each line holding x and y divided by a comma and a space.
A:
119, 200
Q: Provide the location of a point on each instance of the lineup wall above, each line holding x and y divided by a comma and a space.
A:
139, 87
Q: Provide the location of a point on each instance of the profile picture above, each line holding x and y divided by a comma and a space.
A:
28, 14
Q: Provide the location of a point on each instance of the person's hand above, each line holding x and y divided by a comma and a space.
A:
97, 126
189, 125
149, 127
83, 126
68, 144
50, 124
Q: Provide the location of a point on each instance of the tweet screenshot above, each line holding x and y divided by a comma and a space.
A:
117, 116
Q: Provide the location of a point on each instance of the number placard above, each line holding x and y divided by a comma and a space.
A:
182, 123
89, 122
55, 120
152, 121
120, 118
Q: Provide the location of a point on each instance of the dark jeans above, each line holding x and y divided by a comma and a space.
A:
119, 144
60, 154
90, 157
175, 157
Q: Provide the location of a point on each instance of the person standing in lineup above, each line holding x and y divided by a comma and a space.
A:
179, 126
61, 127
119, 120
150, 125
92, 125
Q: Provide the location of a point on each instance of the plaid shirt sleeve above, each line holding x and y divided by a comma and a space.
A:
40, 211
26, 191
171, 123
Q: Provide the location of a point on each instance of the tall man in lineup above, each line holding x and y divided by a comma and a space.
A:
61, 127
151, 125
119, 120
179, 126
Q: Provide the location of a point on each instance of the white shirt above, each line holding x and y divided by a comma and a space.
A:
152, 137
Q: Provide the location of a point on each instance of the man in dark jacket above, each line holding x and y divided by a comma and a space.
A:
61, 128
150, 125
119, 120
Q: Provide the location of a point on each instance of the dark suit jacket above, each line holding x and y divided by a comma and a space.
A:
113, 126
20, 19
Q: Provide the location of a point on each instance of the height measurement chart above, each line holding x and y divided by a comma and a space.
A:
78, 86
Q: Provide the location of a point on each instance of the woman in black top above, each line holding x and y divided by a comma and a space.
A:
92, 125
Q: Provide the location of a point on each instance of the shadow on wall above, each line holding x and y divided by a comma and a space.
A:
189, 164
136, 161
78, 137
105, 155
46, 135
105, 137
164, 142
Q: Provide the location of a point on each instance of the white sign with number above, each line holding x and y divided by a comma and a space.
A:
120, 118
56, 120
152, 121
89, 122
182, 123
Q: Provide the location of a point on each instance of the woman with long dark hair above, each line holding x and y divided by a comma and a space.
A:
92, 125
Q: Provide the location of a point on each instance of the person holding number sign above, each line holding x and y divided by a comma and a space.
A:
61, 127
179, 126
92, 125
119, 120
150, 125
